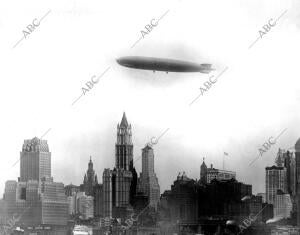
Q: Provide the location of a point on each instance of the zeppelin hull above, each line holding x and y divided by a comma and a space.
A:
159, 64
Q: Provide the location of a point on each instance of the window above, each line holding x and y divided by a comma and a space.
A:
182, 212
23, 194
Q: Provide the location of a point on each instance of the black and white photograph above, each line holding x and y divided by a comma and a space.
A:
173, 117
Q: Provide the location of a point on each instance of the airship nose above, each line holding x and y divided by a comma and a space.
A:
121, 60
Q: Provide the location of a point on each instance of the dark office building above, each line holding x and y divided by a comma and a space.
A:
98, 201
224, 199
183, 200
254, 205
190, 201
141, 201
203, 173
267, 212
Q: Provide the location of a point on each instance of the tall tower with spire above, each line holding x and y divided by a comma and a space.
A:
124, 146
203, 172
90, 180
119, 184
279, 160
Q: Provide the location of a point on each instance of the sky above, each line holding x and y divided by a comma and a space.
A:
256, 95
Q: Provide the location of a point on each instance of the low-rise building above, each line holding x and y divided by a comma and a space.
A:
213, 173
82, 205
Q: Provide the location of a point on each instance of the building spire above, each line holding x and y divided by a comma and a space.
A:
90, 165
279, 160
124, 146
203, 163
84, 179
124, 122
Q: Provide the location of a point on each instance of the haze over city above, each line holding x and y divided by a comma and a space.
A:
164, 117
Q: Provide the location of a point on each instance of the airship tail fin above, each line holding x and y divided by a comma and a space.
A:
206, 68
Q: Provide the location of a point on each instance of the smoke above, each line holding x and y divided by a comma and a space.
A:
273, 220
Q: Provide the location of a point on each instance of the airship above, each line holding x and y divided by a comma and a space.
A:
163, 64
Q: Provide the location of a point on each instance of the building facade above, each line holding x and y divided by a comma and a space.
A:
54, 205
84, 205
192, 205
255, 207
90, 180
183, 200
283, 205
148, 182
286, 159
124, 146
263, 196
39, 203
297, 158
70, 189
35, 160
203, 173
81, 205
213, 173
98, 201
36, 198
119, 184
275, 180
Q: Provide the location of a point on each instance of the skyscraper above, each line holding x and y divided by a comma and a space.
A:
116, 192
35, 160
98, 200
107, 193
297, 156
279, 160
292, 185
275, 180
124, 146
203, 173
281, 184
40, 200
148, 182
286, 159
118, 184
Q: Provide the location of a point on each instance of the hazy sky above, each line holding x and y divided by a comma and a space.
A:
257, 97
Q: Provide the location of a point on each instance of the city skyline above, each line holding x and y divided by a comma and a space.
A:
122, 194
139, 159
255, 99
174, 115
